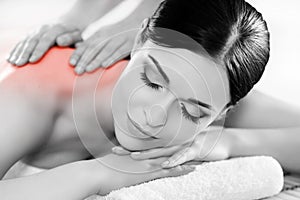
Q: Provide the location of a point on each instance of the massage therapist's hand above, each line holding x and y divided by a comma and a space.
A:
122, 171
105, 47
213, 144
36, 44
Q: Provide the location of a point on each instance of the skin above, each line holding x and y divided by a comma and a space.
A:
158, 110
99, 50
57, 126
65, 31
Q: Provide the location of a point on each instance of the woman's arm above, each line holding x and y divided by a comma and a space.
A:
81, 179
282, 143
67, 182
266, 126
258, 110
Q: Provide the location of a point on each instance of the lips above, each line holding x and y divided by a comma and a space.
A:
137, 126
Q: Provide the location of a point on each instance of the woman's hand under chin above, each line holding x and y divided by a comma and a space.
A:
121, 171
212, 145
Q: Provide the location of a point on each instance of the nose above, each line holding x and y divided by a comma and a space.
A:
156, 115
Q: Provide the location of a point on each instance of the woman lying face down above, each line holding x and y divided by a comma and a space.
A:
186, 70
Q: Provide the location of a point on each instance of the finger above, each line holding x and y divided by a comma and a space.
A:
110, 47
181, 170
77, 54
27, 51
88, 55
97, 60
154, 153
120, 150
12, 57
46, 41
180, 157
78, 44
17, 52
117, 55
68, 39
18, 49
175, 171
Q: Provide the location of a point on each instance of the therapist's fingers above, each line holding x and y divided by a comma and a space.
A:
26, 52
24, 48
69, 38
46, 41
93, 56
155, 153
118, 54
80, 48
113, 47
15, 53
90, 53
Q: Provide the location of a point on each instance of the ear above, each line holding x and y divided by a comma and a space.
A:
138, 39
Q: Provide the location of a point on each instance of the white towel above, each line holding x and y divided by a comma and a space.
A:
244, 178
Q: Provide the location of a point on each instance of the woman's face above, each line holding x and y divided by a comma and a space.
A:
165, 96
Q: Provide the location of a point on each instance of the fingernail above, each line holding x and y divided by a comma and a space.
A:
12, 59
73, 61
135, 153
79, 69
89, 68
115, 148
106, 64
165, 164
32, 58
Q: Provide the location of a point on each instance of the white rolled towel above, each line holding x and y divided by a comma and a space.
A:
245, 178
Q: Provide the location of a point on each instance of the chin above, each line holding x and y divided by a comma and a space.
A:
126, 141
134, 144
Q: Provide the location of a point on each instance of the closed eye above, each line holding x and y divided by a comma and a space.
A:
184, 111
146, 80
188, 116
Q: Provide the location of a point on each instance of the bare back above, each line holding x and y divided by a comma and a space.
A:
39, 98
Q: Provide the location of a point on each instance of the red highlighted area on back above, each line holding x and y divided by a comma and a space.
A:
53, 73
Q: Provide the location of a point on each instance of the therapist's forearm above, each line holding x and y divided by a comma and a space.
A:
282, 144
72, 181
84, 12
144, 10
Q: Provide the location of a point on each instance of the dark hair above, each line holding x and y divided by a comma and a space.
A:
230, 31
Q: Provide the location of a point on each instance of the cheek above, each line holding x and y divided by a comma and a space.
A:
122, 91
177, 129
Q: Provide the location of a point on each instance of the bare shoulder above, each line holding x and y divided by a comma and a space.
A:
259, 110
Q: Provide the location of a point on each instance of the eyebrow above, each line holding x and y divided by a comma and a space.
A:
164, 75
195, 101
161, 71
